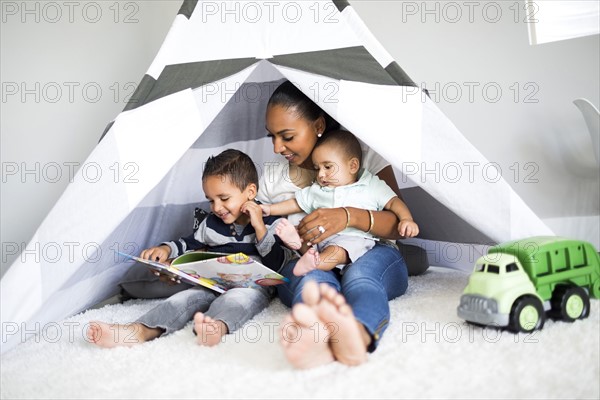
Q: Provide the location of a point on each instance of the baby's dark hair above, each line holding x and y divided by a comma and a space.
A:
290, 97
343, 140
233, 164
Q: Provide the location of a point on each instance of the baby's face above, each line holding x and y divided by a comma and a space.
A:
334, 168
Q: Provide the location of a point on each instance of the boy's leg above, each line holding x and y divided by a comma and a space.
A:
113, 335
175, 312
208, 330
170, 315
233, 309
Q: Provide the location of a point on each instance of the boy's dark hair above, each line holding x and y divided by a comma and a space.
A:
289, 96
343, 140
233, 164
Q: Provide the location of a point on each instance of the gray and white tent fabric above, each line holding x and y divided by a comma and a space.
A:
206, 91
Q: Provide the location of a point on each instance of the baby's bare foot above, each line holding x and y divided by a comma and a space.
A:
288, 234
113, 335
308, 262
209, 332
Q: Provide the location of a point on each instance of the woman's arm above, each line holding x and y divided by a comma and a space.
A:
333, 220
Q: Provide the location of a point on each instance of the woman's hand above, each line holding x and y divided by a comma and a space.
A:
321, 224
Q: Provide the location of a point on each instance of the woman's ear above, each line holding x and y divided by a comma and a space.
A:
251, 190
320, 125
354, 165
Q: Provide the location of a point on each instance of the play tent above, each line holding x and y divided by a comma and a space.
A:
206, 91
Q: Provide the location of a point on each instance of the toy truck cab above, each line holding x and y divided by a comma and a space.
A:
517, 282
497, 281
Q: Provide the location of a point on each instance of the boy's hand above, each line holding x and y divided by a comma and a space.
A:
408, 228
255, 212
160, 253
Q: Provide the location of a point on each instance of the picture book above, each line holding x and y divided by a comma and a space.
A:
216, 271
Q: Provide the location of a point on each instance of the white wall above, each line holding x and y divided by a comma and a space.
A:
461, 45
47, 132
53, 126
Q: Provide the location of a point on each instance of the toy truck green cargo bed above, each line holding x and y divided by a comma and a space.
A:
517, 282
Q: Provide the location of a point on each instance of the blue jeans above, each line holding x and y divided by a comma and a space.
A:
367, 284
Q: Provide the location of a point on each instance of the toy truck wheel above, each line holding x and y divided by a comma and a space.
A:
527, 314
595, 289
570, 303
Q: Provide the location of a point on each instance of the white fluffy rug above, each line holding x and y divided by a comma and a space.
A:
427, 352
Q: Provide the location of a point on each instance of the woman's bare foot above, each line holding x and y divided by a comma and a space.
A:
288, 234
209, 332
308, 262
304, 338
348, 338
113, 335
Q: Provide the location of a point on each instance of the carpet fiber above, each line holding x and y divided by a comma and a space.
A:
427, 352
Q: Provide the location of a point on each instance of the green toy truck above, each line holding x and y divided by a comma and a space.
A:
518, 282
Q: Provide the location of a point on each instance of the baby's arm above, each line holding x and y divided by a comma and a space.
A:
286, 207
406, 227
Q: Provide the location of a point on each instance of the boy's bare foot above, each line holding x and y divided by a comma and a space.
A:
113, 335
348, 338
304, 346
308, 262
209, 332
288, 234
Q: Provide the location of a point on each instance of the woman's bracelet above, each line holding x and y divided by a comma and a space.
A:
347, 217
371, 221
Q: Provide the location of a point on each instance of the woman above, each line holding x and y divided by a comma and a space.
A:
350, 309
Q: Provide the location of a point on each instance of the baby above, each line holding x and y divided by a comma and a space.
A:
340, 182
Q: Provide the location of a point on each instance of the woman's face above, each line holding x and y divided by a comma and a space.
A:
293, 136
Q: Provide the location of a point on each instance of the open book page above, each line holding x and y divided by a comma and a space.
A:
216, 271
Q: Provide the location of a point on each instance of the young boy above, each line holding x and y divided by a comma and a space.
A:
230, 183
337, 158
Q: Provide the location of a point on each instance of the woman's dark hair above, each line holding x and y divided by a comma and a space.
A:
289, 96
233, 164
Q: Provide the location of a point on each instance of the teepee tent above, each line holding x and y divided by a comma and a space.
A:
206, 91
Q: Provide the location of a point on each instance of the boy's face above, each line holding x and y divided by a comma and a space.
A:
334, 168
226, 199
